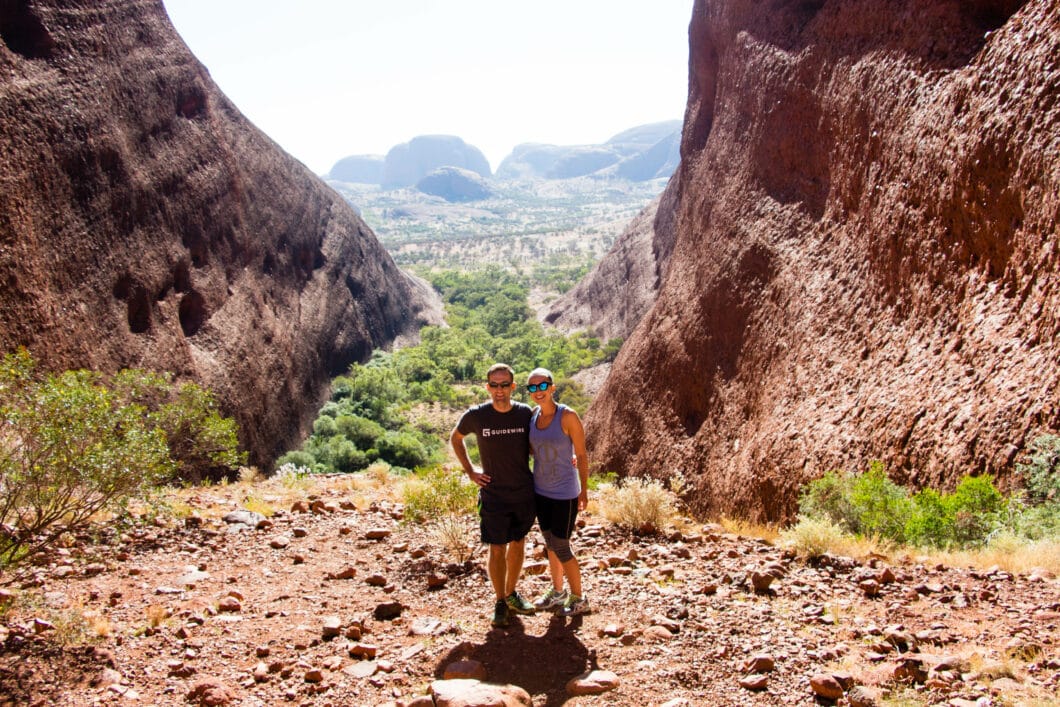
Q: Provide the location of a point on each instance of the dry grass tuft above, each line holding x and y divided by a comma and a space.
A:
453, 532
1010, 553
812, 537
750, 529
643, 505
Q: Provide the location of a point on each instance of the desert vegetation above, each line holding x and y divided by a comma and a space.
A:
74, 444
399, 407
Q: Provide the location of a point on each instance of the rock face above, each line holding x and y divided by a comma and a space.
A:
454, 184
411, 161
145, 222
866, 259
620, 290
359, 169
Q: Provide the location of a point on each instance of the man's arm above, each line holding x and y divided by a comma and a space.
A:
456, 439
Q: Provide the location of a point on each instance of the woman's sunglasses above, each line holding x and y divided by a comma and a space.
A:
534, 387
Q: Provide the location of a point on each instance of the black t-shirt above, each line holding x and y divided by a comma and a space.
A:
504, 447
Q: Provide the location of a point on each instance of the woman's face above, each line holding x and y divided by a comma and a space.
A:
538, 395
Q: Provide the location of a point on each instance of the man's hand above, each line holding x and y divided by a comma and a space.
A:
479, 478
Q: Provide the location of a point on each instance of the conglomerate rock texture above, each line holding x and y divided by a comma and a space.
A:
866, 257
145, 222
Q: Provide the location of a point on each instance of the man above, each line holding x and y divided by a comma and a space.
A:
506, 487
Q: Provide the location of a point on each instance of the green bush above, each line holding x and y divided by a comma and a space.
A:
69, 448
1041, 470
359, 430
403, 449
976, 507
829, 498
880, 506
929, 523
202, 443
344, 455
325, 426
297, 458
871, 505
436, 492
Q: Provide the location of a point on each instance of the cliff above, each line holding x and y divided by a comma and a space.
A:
145, 222
865, 261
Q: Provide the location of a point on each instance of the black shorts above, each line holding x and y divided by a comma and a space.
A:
557, 517
504, 522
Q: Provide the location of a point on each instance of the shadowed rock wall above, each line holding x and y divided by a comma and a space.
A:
145, 222
866, 256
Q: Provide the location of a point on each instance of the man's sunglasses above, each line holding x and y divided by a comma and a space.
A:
505, 384
534, 387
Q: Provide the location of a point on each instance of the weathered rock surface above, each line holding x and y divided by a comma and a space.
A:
865, 264
145, 222
411, 161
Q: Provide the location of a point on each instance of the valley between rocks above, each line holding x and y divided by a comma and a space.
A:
335, 601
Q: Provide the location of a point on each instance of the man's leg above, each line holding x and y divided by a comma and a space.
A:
497, 569
513, 565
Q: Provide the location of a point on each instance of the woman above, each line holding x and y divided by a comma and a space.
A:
557, 440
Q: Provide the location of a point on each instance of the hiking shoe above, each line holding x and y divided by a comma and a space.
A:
500, 614
575, 606
518, 605
551, 600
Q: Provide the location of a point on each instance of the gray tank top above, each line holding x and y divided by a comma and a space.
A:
555, 475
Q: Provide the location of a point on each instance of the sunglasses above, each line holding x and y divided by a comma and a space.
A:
505, 384
534, 387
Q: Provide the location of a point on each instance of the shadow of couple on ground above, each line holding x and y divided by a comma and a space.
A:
541, 665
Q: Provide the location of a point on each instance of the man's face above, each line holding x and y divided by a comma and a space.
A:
499, 386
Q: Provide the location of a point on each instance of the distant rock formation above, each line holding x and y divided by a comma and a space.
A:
582, 161
638, 154
358, 169
866, 261
643, 137
411, 161
145, 222
454, 184
659, 160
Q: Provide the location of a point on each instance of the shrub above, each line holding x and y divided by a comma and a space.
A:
928, 523
295, 459
359, 430
403, 449
69, 448
437, 492
976, 507
1041, 470
325, 426
829, 498
202, 443
642, 505
813, 537
344, 456
881, 507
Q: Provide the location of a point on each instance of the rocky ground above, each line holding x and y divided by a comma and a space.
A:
333, 600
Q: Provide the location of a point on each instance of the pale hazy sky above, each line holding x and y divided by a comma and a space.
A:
331, 78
